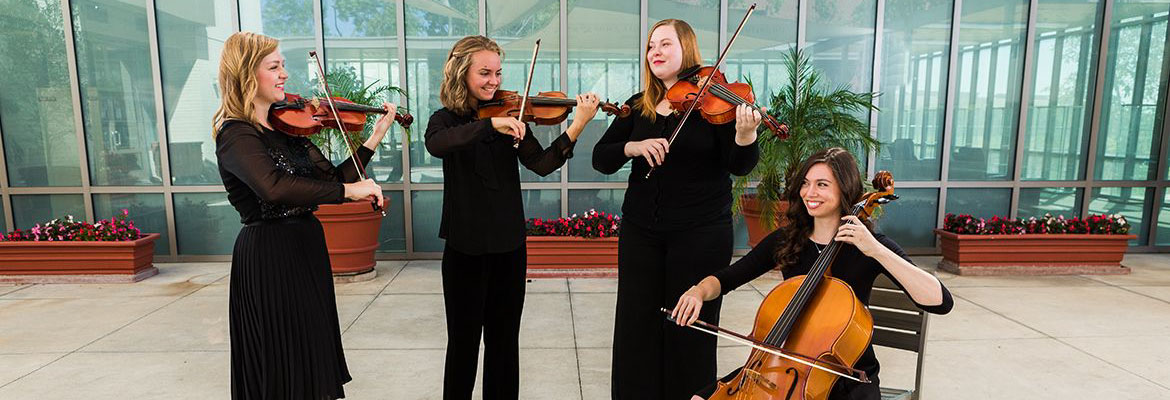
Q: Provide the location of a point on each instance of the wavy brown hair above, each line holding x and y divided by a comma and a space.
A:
795, 236
241, 57
453, 92
654, 90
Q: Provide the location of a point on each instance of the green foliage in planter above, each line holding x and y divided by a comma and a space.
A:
344, 82
818, 117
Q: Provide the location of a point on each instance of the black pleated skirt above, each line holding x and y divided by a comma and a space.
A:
285, 338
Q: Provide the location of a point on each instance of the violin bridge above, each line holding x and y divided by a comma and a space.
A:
759, 379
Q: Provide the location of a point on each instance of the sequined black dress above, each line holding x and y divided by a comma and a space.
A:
285, 338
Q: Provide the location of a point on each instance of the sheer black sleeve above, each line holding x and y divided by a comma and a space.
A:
609, 155
740, 160
242, 152
345, 172
544, 161
757, 262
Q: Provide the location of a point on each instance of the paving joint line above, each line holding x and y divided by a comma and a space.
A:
375, 297
573, 325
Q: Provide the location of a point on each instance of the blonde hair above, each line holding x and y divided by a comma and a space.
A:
242, 54
453, 93
654, 90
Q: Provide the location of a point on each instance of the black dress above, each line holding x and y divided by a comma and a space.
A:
851, 266
676, 229
285, 338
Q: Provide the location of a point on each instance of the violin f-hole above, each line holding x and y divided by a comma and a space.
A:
795, 379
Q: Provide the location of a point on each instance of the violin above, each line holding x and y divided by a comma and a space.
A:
299, 116
546, 108
810, 329
717, 104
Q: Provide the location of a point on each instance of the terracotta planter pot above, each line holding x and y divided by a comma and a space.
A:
64, 262
571, 256
351, 234
1033, 254
752, 209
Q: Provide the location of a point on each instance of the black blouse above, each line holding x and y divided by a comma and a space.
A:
692, 186
270, 175
851, 266
483, 211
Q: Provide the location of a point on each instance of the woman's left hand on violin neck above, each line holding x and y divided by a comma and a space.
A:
382, 125
587, 104
852, 231
747, 120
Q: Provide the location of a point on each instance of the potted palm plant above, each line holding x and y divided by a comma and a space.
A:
818, 117
351, 229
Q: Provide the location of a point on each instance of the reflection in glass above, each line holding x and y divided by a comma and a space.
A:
146, 210
979, 203
28, 210
910, 221
1128, 201
117, 92
915, 53
1129, 108
205, 223
1035, 202
990, 66
431, 30
190, 40
427, 212
1164, 221
602, 200
362, 37
516, 27
542, 203
290, 21
701, 15
839, 41
36, 103
604, 57
392, 234
1060, 106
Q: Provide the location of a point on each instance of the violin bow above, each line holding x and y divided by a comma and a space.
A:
527, 86
706, 82
728, 334
341, 127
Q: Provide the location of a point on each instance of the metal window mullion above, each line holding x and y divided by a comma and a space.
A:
235, 11
403, 78
78, 120
1159, 193
160, 122
1025, 99
723, 37
483, 17
948, 112
1103, 40
319, 32
875, 81
643, 32
5, 201
564, 49
802, 22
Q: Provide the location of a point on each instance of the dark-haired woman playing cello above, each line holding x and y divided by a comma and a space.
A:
818, 201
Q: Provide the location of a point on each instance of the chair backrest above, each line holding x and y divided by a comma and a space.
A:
898, 323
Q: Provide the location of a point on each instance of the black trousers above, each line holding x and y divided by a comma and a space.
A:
652, 357
483, 294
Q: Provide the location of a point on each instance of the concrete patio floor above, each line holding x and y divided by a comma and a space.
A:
1066, 337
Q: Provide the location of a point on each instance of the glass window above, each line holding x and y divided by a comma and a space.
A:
1035, 202
990, 66
426, 219
604, 57
915, 53
701, 15
602, 200
757, 53
516, 29
1164, 221
28, 210
146, 210
911, 220
979, 203
1128, 201
290, 21
190, 40
542, 203
361, 40
1129, 108
1063, 74
36, 105
3, 219
392, 235
839, 41
205, 223
431, 29
117, 92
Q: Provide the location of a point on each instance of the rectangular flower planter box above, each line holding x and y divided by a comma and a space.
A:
572, 257
1033, 254
77, 262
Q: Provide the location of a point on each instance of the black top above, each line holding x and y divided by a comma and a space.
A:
692, 187
482, 208
270, 175
851, 266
